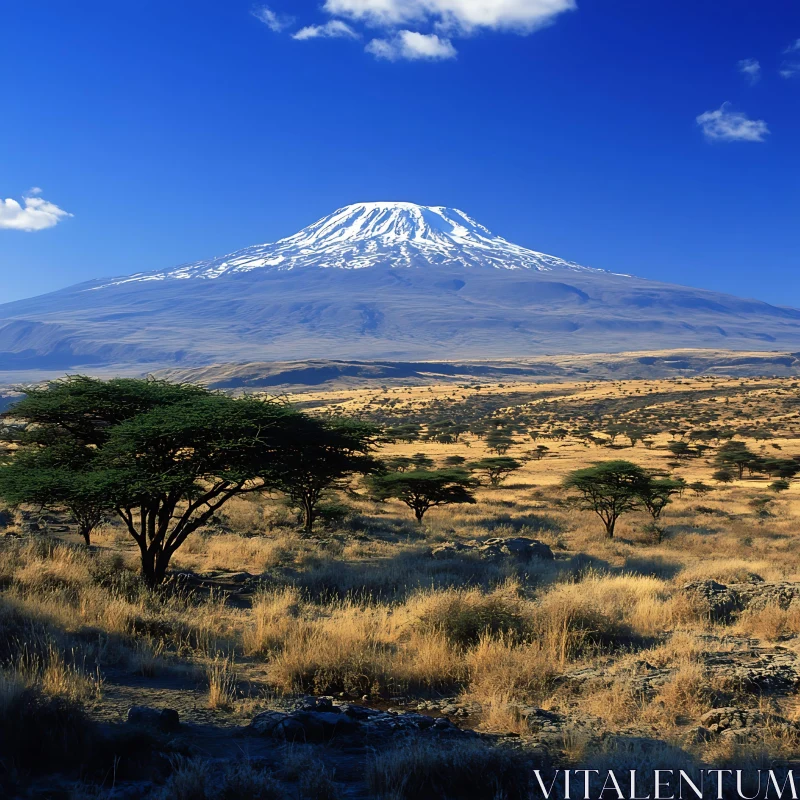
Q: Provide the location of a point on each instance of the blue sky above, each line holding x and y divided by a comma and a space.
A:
172, 131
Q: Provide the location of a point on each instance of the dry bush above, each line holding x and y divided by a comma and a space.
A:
465, 615
728, 570
419, 771
235, 552
770, 623
194, 779
618, 704
274, 613
684, 698
222, 682
499, 668
39, 733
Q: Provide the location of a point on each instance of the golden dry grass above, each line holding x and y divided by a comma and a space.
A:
363, 609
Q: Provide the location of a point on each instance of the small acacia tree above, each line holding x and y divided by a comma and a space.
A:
422, 490
323, 454
656, 494
496, 469
498, 441
609, 488
55, 480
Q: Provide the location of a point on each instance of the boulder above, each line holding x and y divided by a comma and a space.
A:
166, 720
496, 548
719, 601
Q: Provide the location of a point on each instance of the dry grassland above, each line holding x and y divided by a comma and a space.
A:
361, 609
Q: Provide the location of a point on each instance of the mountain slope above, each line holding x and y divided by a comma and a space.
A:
377, 280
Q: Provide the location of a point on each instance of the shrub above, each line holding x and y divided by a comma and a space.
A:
426, 771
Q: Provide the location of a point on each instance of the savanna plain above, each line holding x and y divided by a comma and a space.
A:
376, 656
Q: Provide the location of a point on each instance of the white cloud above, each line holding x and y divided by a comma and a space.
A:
335, 29
725, 125
412, 46
751, 69
789, 69
275, 22
454, 15
35, 214
793, 48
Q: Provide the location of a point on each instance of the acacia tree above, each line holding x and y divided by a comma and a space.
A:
163, 457
66, 424
496, 468
656, 494
323, 454
422, 490
609, 489
499, 441
734, 456
169, 470
56, 477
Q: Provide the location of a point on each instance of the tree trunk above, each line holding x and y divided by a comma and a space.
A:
86, 532
308, 515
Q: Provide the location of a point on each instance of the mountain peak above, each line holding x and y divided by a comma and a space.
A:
393, 223
389, 234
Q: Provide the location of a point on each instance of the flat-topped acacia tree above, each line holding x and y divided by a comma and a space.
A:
68, 421
609, 488
163, 457
422, 490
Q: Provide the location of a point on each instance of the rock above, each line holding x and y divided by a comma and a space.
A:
165, 719
334, 722
698, 734
518, 547
719, 601
757, 670
724, 601
495, 548
450, 550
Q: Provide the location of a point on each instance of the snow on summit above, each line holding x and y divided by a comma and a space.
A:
363, 235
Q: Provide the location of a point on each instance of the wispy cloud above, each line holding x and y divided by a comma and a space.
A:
274, 21
789, 69
726, 125
335, 29
412, 46
751, 69
522, 16
34, 214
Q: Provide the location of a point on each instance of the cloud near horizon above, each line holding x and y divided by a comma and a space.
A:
726, 125
34, 214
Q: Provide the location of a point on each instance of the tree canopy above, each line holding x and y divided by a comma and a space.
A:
609, 488
165, 457
421, 490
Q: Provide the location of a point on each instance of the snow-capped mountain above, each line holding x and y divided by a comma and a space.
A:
371, 281
371, 234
